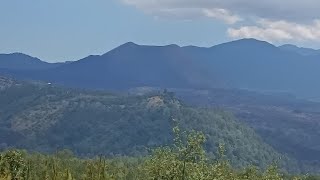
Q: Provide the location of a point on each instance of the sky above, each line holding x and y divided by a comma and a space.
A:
65, 30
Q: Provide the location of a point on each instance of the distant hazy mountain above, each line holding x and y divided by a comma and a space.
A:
246, 64
300, 50
131, 65
19, 61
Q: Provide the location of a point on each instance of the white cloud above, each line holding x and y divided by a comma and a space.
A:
278, 31
271, 20
178, 9
290, 10
221, 14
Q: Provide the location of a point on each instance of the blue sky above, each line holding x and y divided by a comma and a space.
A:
63, 30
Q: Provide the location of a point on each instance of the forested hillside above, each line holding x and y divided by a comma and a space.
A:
184, 159
40, 117
288, 124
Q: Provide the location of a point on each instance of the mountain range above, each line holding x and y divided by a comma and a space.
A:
254, 80
242, 64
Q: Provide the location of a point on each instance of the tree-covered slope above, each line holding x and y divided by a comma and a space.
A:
288, 124
45, 118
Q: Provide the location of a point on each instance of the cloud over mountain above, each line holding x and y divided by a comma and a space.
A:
278, 31
272, 20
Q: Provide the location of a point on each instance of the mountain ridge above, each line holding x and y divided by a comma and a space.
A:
244, 64
130, 43
300, 50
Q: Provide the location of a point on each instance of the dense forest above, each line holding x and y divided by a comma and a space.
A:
185, 159
289, 124
41, 117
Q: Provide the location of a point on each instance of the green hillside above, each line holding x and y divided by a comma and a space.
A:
40, 117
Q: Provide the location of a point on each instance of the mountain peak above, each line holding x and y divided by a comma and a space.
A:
18, 54
130, 44
173, 45
248, 43
288, 46
251, 41
20, 61
19, 57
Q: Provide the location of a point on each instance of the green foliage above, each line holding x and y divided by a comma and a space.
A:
181, 162
13, 165
184, 160
43, 118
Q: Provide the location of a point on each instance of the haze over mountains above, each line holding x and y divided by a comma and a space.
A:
243, 64
41, 116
